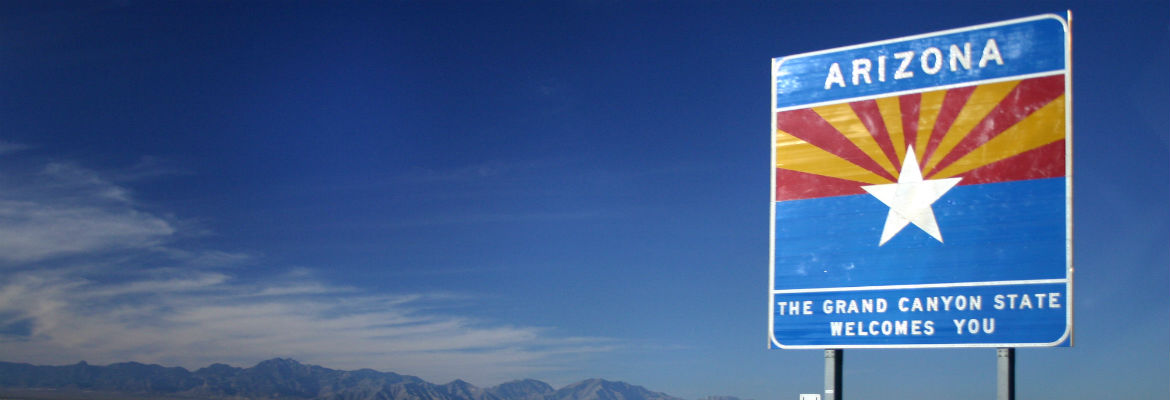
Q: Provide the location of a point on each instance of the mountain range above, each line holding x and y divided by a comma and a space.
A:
281, 378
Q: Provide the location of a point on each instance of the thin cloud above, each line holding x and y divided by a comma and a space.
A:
7, 147
34, 231
488, 218
210, 318
66, 210
473, 172
137, 305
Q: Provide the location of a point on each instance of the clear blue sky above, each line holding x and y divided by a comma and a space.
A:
502, 190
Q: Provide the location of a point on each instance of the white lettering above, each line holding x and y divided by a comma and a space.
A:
885, 328
794, 307
990, 53
931, 68
901, 327
902, 73
861, 67
835, 76
931, 61
958, 57
852, 306
946, 302
974, 326
1025, 302
1022, 301
936, 303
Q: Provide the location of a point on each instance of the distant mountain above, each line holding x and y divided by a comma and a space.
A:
122, 377
283, 379
721, 398
527, 389
598, 389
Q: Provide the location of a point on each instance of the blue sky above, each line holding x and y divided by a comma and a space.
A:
501, 190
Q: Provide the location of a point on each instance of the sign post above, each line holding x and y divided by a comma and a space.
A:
834, 364
922, 192
1005, 388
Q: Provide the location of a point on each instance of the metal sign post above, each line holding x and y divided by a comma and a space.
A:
834, 363
1006, 374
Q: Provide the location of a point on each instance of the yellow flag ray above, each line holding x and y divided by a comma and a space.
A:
891, 111
798, 155
1044, 126
928, 110
982, 101
842, 117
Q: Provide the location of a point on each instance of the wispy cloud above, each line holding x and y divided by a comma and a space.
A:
487, 218
7, 147
485, 170
124, 308
209, 317
64, 209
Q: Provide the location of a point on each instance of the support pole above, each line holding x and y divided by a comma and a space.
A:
833, 361
1006, 378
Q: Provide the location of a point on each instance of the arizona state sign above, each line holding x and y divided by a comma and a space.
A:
921, 191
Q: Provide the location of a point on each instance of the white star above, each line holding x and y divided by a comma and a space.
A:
910, 199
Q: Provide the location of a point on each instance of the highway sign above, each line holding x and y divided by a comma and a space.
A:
922, 191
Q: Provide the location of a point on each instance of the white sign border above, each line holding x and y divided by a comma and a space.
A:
1069, 269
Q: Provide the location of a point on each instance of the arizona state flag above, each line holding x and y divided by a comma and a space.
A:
936, 215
